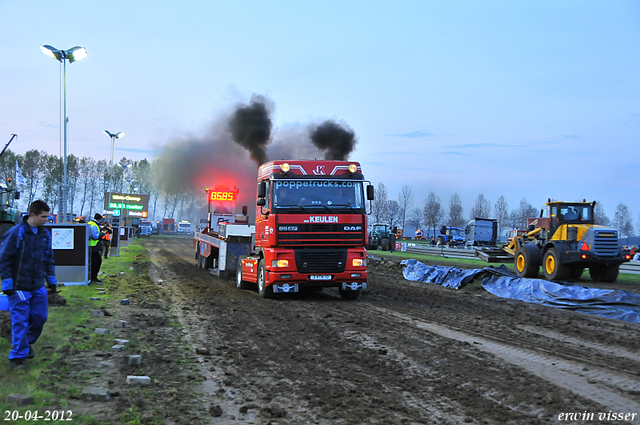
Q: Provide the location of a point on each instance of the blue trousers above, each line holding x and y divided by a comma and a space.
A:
29, 312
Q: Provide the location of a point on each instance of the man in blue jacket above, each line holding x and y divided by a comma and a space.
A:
26, 262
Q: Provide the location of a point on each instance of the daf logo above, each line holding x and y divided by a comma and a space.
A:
352, 228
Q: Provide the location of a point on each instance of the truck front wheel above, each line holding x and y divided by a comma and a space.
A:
604, 273
240, 283
553, 268
349, 295
263, 290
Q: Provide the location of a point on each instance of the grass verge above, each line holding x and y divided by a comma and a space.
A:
65, 324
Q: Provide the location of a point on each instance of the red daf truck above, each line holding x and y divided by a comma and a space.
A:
310, 231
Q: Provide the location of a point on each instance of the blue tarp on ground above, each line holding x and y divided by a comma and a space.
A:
614, 304
449, 277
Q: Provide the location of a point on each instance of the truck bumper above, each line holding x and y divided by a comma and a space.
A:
285, 288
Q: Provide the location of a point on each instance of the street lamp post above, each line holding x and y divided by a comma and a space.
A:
113, 136
73, 54
126, 169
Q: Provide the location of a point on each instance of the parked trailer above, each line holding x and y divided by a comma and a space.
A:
220, 250
481, 232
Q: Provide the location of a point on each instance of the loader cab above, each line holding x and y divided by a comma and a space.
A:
570, 213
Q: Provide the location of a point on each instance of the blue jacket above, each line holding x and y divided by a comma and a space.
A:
26, 258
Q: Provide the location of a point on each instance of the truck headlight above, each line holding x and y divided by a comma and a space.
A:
359, 262
279, 263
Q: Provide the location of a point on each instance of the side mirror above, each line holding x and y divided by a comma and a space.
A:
262, 190
443, 230
370, 196
394, 230
244, 210
261, 202
17, 195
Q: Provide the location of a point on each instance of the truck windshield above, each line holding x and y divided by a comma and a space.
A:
329, 195
455, 232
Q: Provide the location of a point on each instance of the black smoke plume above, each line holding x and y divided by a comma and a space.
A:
251, 128
336, 140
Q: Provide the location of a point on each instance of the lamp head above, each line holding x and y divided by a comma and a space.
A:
52, 52
76, 53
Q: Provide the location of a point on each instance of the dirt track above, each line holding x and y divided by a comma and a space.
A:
403, 353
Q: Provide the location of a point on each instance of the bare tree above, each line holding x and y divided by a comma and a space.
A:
86, 166
415, 218
501, 210
33, 172
380, 204
525, 210
622, 220
599, 216
433, 212
455, 211
482, 208
405, 201
393, 213
52, 181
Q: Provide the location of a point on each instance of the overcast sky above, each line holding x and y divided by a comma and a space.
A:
531, 99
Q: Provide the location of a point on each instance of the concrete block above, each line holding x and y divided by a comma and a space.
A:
123, 324
117, 347
102, 331
125, 301
97, 312
134, 360
139, 380
122, 342
95, 394
94, 299
19, 399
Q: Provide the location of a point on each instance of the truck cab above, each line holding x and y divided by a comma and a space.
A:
311, 228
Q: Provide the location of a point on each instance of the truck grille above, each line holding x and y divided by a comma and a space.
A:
333, 234
321, 260
605, 244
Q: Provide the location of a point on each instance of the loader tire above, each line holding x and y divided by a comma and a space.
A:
440, 241
385, 244
553, 268
607, 274
576, 272
524, 264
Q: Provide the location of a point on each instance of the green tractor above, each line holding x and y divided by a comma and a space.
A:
382, 236
9, 214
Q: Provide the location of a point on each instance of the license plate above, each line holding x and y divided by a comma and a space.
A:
320, 277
